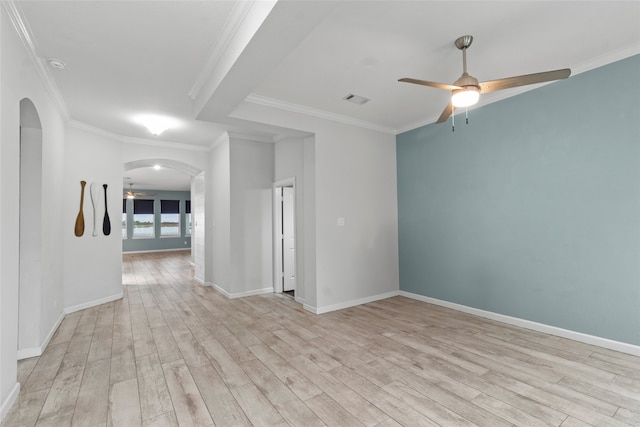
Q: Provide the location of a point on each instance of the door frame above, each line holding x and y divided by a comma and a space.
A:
277, 232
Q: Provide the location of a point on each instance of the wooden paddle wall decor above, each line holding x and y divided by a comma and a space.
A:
79, 229
95, 193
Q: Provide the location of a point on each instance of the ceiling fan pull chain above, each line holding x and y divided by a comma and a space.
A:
453, 120
466, 114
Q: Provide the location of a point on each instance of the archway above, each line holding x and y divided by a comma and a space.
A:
197, 205
30, 279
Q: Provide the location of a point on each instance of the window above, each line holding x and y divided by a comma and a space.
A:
124, 218
187, 217
169, 218
143, 222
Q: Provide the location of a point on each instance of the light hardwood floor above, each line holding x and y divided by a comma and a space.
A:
172, 352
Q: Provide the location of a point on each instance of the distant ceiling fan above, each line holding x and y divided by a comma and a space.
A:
466, 91
132, 194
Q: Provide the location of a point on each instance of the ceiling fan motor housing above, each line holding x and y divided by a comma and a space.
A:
468, 94
467, 80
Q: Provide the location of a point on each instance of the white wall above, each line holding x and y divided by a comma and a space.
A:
309, 223
354, 174
251, 215
218, 224
53, 192
355, 181
92, 264
239, 201
18, 80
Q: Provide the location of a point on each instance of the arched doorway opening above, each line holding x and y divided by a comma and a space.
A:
30, 279
195, 206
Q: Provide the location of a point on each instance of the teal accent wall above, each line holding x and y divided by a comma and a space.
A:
533, 209
158, 243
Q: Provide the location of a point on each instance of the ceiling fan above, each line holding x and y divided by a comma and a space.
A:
466, 91
132, 194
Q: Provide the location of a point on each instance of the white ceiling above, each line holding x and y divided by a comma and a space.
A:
188, 59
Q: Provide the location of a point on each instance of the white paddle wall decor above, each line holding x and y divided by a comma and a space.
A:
94, 191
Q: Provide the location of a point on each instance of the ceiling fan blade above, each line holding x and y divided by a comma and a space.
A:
427, 83
448, 110
527, 79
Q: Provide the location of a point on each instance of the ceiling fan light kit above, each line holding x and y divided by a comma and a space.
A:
465, 97
466, 91
133, 194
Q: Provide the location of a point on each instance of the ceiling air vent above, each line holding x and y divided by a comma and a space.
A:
356, 99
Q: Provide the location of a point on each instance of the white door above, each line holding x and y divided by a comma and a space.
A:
288, 241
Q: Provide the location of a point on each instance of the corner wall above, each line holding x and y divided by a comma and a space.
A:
93, 264
533, 209
240, 203
350, 208
218, 224
252, 166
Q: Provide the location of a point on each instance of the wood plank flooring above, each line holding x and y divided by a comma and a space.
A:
173, 352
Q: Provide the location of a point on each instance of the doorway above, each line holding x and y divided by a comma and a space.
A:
30, 205
168, 179
285, 279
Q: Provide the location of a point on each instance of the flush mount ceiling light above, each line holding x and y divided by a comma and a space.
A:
56, 63
156, 124
356, 99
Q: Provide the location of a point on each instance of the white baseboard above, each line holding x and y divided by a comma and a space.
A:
6, 405
27, 353
528, 324
157, 250
202, 282
268, 290
351, 303
74, 308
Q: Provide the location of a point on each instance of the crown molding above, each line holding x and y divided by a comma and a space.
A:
131, 140
95, 130
313, 112
250, 137
223, 137
607, 58
25, 34
166, 144
231, 26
